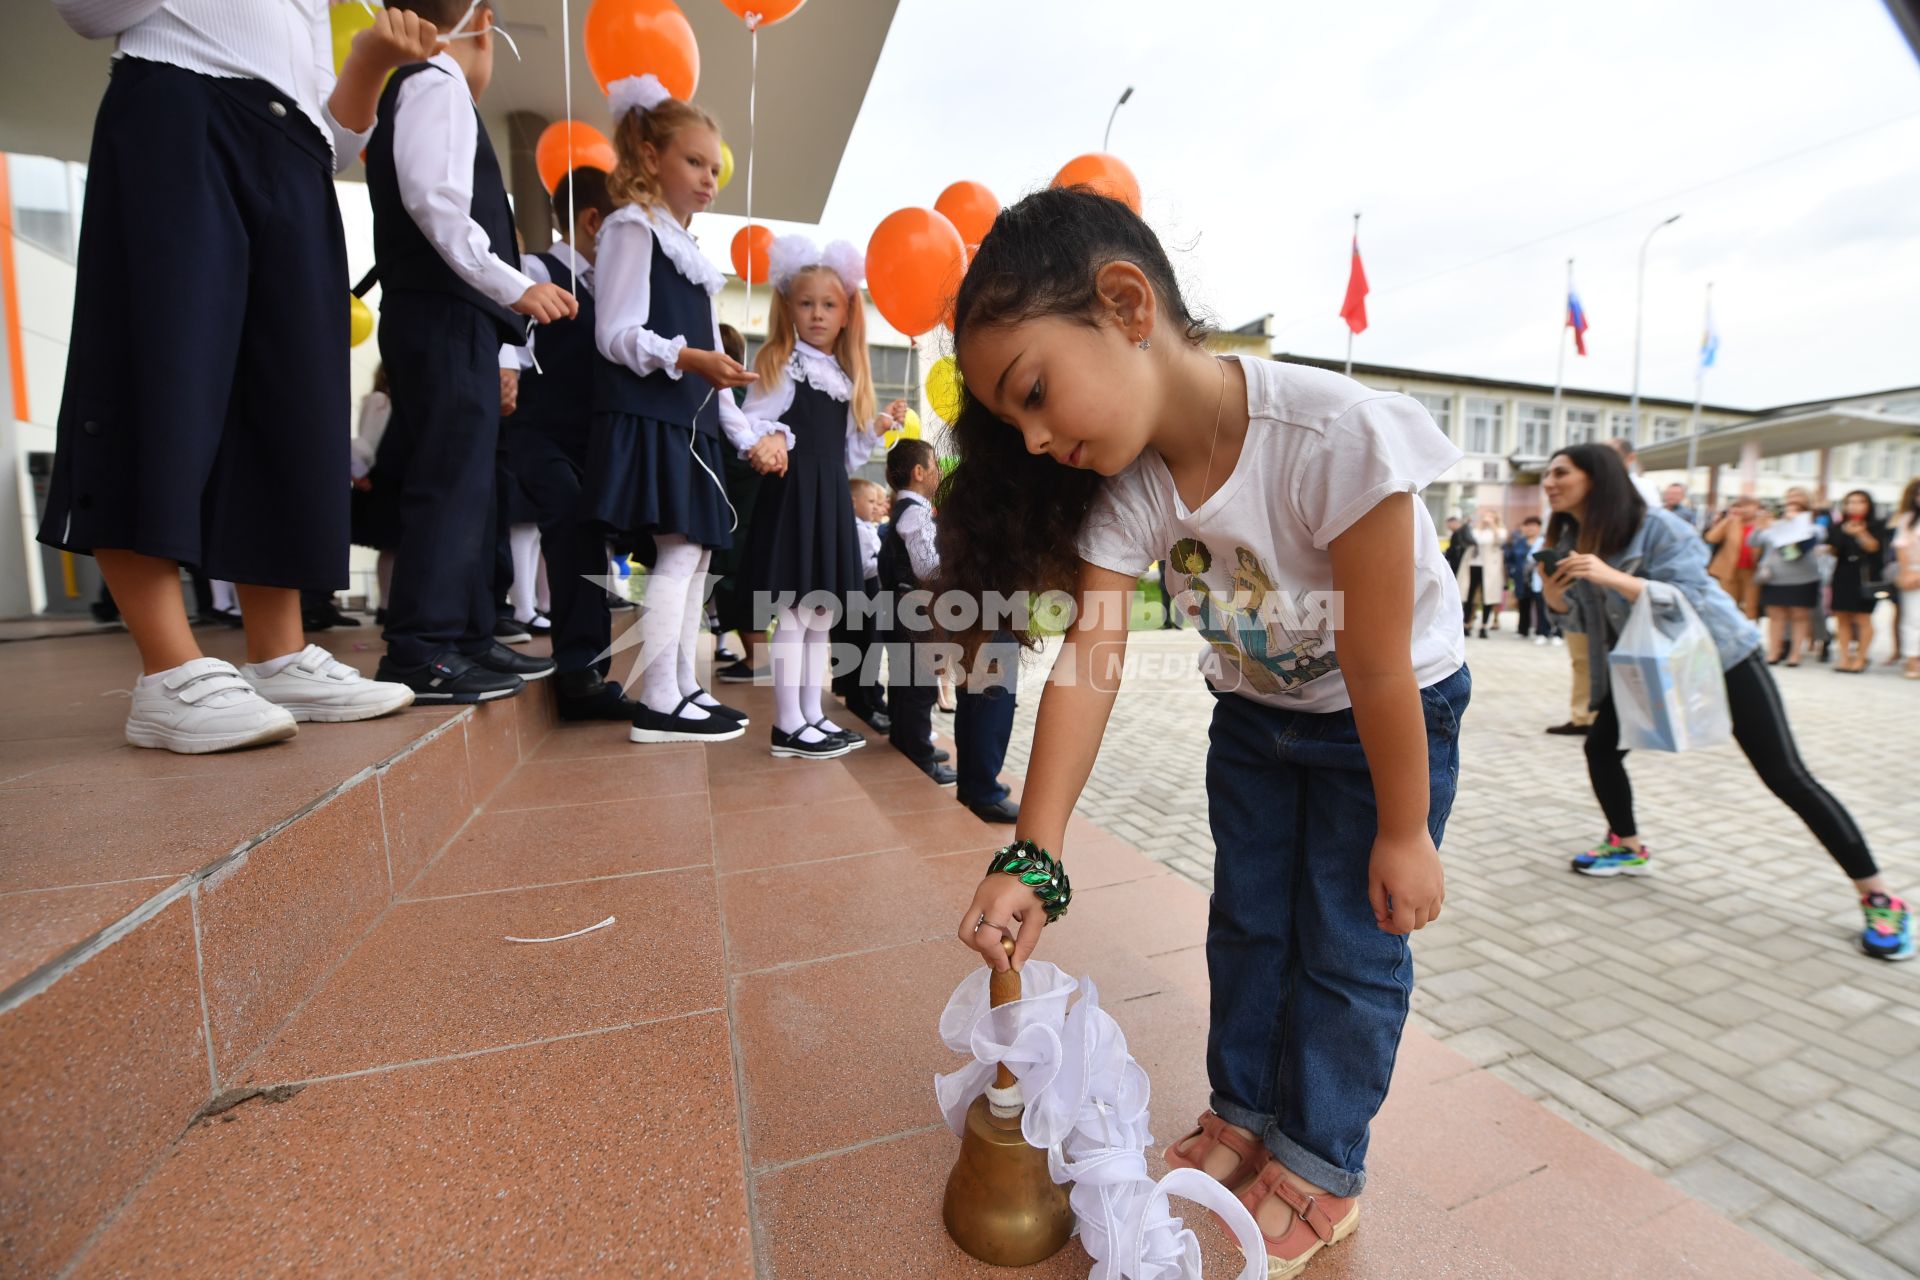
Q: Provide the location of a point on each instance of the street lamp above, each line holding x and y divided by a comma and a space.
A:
1639, 306
1116, 111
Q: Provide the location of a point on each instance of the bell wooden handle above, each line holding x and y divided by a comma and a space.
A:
1004, 988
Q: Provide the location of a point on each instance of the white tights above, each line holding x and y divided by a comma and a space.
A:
670, 627
800, 642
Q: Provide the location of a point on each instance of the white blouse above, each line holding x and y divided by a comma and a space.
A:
289, 45
823, 373
623, 299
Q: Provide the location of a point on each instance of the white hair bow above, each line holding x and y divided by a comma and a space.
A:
636, 93
791, 255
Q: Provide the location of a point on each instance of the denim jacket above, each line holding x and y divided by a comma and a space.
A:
1670, 556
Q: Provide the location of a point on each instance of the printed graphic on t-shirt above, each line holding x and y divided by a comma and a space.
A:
1246, 625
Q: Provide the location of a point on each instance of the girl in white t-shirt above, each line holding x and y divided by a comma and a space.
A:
1099, 435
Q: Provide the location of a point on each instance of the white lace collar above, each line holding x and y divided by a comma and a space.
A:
682, 250
820, 371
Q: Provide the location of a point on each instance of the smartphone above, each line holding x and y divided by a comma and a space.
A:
1549, 559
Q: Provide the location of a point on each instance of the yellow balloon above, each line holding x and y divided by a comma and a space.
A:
348, 21
891, 439
726, 165
944, 386
359, 321
910, 429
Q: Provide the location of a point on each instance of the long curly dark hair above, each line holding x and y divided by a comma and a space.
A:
1010, 519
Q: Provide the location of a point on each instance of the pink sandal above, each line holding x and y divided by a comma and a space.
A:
1213, 1132
1318, 1221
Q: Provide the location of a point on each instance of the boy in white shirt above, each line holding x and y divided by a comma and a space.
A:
452, 296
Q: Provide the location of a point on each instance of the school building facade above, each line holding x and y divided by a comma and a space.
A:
1508, 430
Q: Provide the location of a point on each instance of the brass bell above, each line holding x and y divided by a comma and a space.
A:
1002, 1206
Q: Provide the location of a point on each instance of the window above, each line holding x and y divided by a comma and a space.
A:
1618, 425
1583, 426
1770, 466
1486, 424
1806, 464
1440, 408
43, 212
1536, 431
1666, 427
1889, 459
896, 375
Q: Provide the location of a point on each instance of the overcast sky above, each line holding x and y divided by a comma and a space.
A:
1459, 131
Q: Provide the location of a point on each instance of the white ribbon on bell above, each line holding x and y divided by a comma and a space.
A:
635, 93
1086, 1107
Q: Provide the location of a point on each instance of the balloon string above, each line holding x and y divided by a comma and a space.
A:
566, 72
753, 90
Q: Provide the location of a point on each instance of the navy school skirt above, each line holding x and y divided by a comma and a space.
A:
205, 415
646, 477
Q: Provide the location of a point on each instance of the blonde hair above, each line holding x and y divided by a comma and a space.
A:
850, 350
630, 183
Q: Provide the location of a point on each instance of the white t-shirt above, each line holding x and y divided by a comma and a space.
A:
1251, 566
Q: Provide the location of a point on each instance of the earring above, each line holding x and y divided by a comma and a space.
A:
1146, 344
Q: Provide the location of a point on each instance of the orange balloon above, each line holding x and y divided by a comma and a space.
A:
1106, 174
752, 269
914, 264
633, 37
591, 149
763, 13
971, 208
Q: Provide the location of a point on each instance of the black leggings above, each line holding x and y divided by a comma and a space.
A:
1476, 590
1760, 727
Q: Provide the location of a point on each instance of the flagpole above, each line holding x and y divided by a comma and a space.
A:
1699, 388
1560, 366
1356, 241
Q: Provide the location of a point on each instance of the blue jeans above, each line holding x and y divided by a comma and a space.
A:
1309, 996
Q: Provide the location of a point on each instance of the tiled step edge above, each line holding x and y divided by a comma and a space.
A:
109, 1050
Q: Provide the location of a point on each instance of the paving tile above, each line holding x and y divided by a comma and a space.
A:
784, 915
1719, 1187
607, 1154
521, 847
1837, 1130
1673, 1135
1883, 1183
273, 922
815, 1084
822, 1219
493, 744
98, 1074
438, 977
425, 796
1646, 1088
38, 926
540, 784
810, 833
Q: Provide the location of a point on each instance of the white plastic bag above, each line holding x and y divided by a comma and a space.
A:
1668, 686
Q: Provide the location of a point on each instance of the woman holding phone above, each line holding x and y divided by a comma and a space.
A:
1614, 550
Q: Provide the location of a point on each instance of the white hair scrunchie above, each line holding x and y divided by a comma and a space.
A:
635, 93
793, 254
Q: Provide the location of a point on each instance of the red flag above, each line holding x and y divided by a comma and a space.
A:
1354, 309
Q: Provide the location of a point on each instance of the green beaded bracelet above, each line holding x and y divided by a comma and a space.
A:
1037, 869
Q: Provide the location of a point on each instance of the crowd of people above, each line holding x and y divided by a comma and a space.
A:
1818, 577
538, 420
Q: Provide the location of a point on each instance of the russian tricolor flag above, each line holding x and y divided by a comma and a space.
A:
1577, 321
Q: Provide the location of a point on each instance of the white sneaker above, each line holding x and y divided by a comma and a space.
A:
203, 706
1558, 641
1539, 640
316, 687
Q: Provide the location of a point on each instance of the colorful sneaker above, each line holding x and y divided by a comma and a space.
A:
1611, 858
1889, 931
